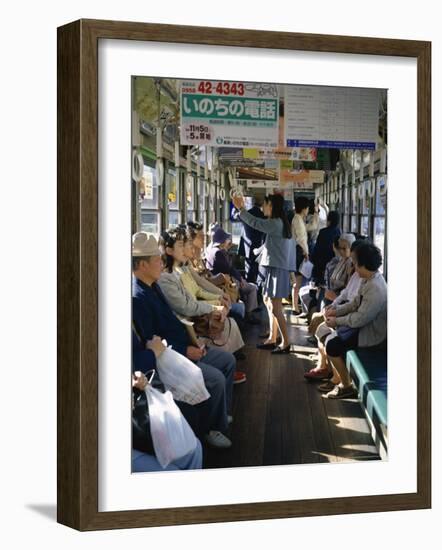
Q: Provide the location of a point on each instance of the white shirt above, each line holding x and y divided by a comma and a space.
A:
299, 230
350, 291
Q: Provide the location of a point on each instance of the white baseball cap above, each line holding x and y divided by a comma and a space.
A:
144, 244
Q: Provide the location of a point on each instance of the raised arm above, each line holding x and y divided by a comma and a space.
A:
270, 226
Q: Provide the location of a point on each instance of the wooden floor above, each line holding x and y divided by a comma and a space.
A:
279, 418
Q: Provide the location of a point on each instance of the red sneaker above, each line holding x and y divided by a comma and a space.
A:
317, 374
239, 377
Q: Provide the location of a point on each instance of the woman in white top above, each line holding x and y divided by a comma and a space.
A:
299, 234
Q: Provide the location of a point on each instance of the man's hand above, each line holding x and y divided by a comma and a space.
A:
330, 313
226, 301
195, 354
331, 322
139, 380
156, 345
220, 313
330, 295
238, 202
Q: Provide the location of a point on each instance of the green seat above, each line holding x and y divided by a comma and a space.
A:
369, 370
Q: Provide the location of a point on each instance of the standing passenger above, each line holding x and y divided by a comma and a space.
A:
323, 250
299, 234
251, 239
278, 258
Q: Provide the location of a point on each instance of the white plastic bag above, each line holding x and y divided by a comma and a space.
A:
182, 377
306, 268
172, 436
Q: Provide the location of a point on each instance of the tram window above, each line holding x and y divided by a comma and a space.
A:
346, 196
364, 226
380, 202
150, 198
379, 237
354, 224
379, 232
236, 232
190, 193
201, 199
150, 222
354, 201
173, 196
212, 211
345, 228
174, 218
365, 203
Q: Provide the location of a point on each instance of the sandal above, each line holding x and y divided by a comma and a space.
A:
342, 393
318, 374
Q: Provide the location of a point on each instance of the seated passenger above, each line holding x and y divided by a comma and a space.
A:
318, 325
342, 271
183, 300
219, 261
143, 453
152, 316
337, 273
314, 294
196, 234
203, 276
144, 360
360, 323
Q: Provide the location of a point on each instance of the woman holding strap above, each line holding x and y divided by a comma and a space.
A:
278, 259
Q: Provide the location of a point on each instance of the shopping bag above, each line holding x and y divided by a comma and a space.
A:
181, 377
171, 434
306, 268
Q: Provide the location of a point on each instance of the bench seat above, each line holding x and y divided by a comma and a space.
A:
368, 368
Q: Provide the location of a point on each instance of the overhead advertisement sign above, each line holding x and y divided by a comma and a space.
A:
303, 179
281, 153
259, 184
326, 116
230, 114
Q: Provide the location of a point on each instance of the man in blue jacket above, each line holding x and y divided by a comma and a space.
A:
154, 320
251, 239
323, 250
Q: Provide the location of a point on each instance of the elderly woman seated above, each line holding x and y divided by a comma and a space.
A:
219, 261
195, 234
189, 301
319, 327
215, 284
359, 323
337, 274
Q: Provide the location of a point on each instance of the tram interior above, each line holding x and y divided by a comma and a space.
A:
279, 416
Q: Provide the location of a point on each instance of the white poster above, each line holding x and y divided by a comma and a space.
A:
326, 116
